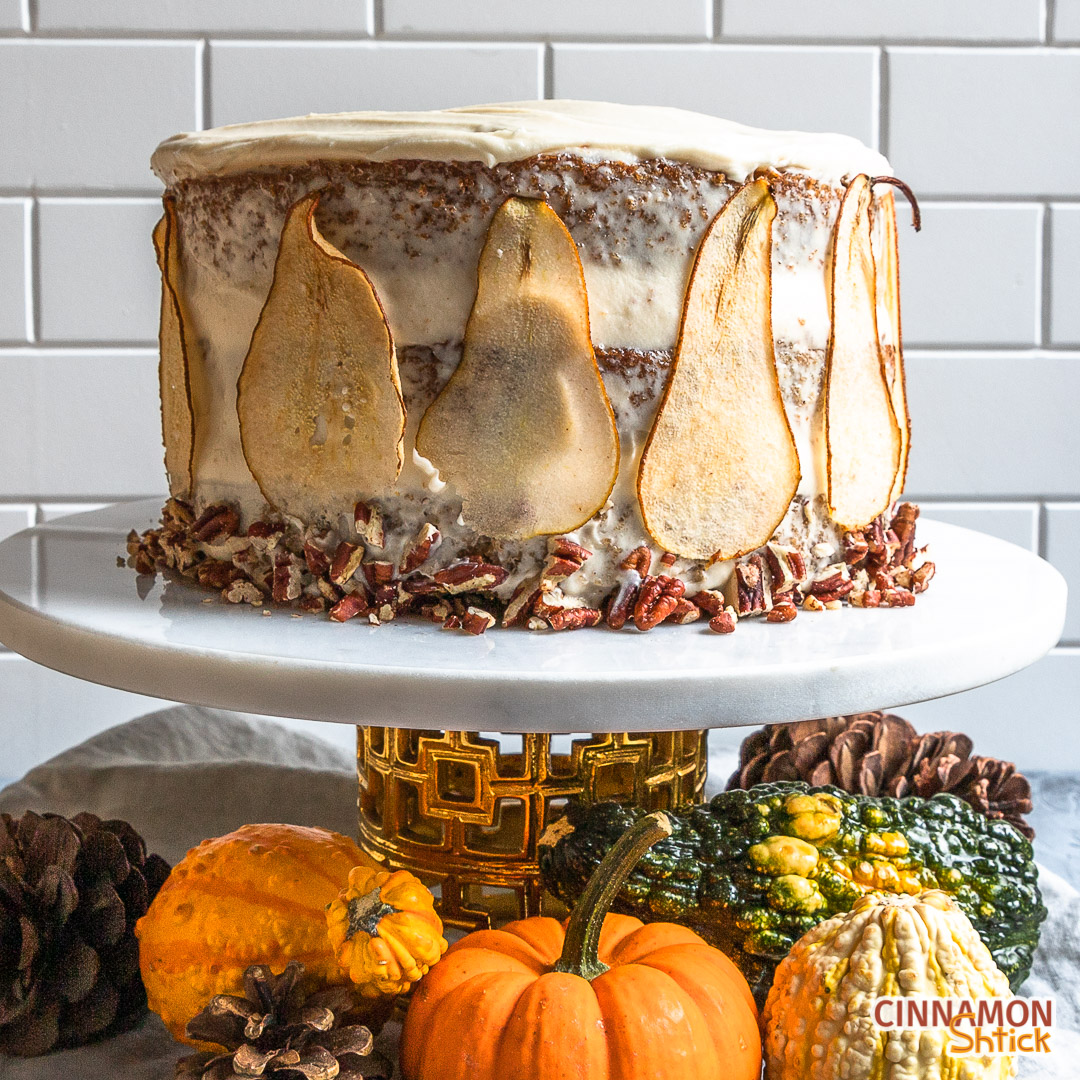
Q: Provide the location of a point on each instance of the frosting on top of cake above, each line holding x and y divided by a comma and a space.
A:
511, 132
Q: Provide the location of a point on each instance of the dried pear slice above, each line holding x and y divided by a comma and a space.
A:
720, 467
861, 433
524, 429
177, 413
887, 290
322, 419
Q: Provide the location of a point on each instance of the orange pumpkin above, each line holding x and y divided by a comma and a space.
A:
256, 896
601, 997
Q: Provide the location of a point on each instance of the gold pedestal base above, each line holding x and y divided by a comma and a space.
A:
463, 813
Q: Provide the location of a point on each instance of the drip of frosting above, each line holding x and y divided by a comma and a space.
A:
511, 132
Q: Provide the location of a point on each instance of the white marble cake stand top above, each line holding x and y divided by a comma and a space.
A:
993, 609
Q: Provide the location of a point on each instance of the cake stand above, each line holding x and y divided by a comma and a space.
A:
439, 797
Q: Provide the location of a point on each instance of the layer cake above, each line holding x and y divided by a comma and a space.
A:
547, 363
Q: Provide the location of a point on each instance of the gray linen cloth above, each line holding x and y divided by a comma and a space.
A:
186, 773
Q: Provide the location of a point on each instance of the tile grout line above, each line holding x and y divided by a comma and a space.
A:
377, 18
1046, 272
883, 102
202, 85
33, 274
29, 213
717, 12
547, 71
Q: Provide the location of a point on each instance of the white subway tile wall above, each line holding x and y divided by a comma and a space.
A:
878, 20
972, 100
14, 218
780, 87
11, 15
972, 276
98, 275
1066, 29
1065, 283
676, 19
353, 17
1063, 550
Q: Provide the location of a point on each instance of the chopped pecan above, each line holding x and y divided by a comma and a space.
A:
463, 577
749, 579
263, 530
421, 585
243, 592
368, 522
315, 549
534, 622
724, 622
419, 551
452, 622
656, 600
559, 569
215, 523
832, 579
921, 578
897, 597
476, 620
864, 598
563, 548
640, 559
787, 567
855, 548
216, 575
329, 591
903, 526
540, 605
812, 603
312, 603
668, 559
378, 572
346, 561
685, 612
144, 563
620, 605
573, 618
781, 613
525, 595
288, 579
177, 513
710, 601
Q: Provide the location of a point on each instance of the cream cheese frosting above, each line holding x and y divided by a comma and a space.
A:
512, 132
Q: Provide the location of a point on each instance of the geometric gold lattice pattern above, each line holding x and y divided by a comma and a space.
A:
464, 812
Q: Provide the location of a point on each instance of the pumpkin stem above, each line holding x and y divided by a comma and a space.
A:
580, 955
366, 912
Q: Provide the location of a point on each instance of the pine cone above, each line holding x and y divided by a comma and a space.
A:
70, 894
942, 762
880, 754
272, 1030
860, 753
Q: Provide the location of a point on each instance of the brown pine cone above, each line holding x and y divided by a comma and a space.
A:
273, 1030
942, 762
860, 753
880, 754
70, 894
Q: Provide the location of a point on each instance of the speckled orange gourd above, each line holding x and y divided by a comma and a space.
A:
255, 896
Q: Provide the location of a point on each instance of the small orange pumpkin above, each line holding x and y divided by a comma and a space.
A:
384, 931
256, 896
601, 997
